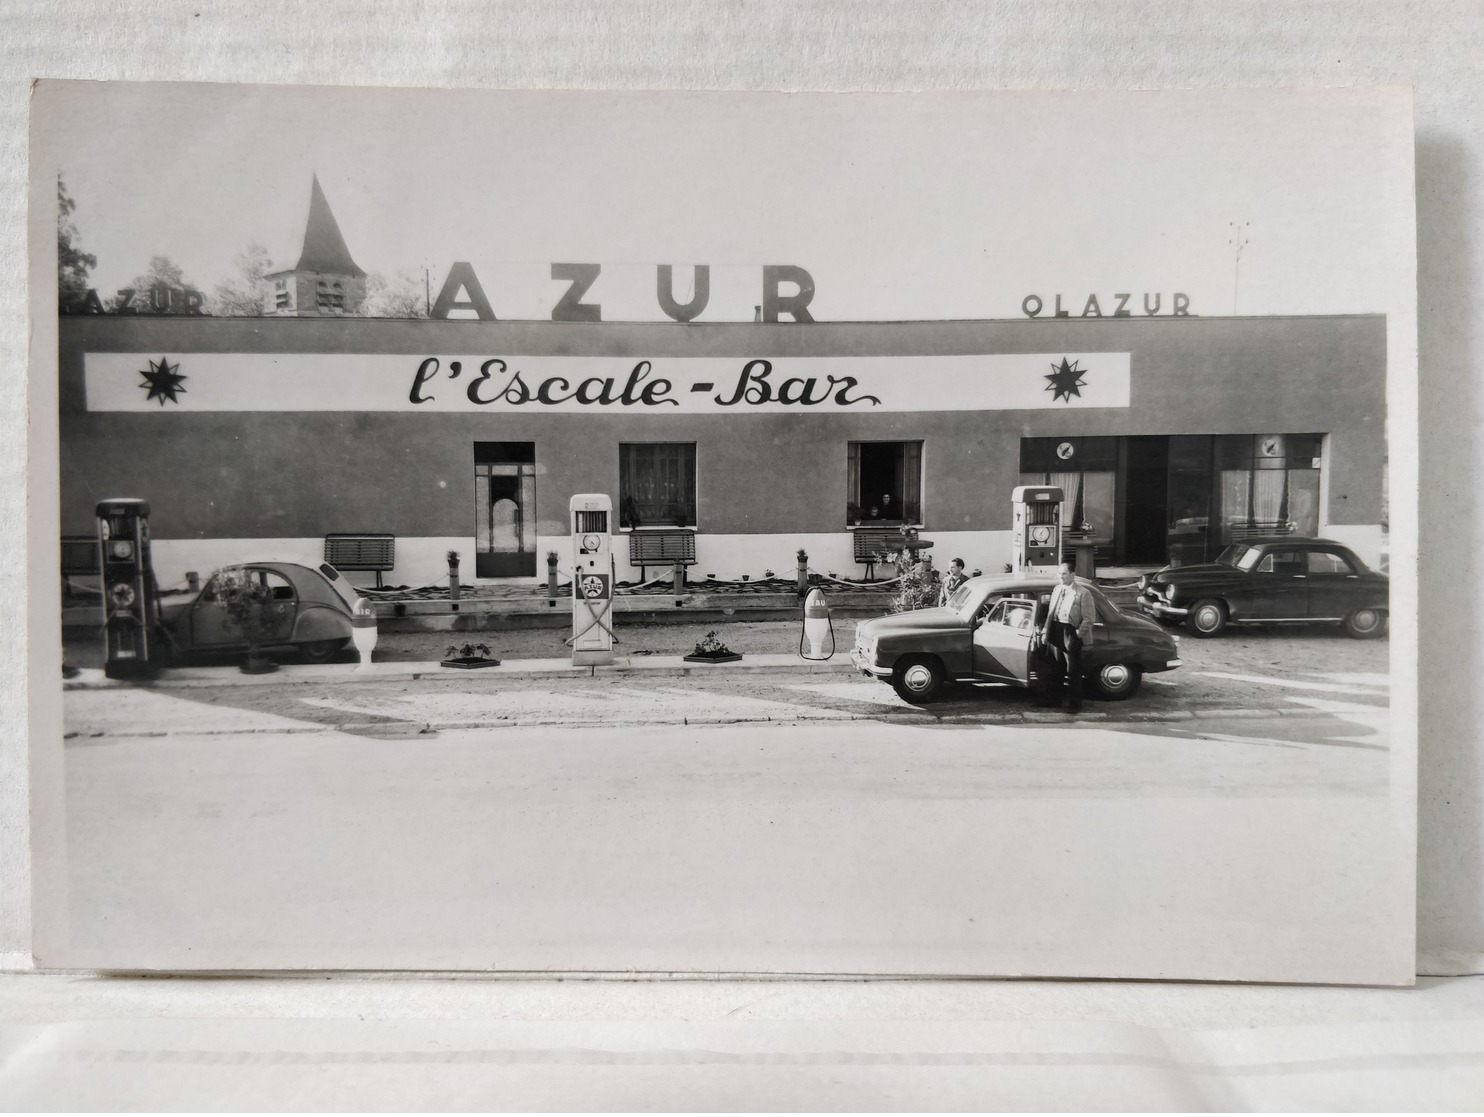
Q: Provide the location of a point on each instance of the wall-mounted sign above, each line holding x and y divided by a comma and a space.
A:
1118, 305
207, 382
787, 289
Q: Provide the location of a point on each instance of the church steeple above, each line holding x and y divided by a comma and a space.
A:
326, 281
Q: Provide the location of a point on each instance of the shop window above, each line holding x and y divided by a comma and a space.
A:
1268, 484
884, 483
657, 484
1086, 471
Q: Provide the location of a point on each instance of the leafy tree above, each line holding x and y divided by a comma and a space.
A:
73, 264
241, 296
403, 295
147, 297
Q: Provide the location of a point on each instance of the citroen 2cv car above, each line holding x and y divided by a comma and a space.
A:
1271, 580
985, 634
315, 607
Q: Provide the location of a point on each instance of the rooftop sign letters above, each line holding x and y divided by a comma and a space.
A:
214, 382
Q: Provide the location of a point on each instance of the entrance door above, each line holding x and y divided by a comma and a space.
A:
505, 509
1146, 504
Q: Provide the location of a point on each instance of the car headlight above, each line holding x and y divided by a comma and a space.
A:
1143, 582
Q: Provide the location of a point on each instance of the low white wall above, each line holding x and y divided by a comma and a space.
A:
422, 561
1366, 540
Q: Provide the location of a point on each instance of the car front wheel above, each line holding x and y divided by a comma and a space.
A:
1364, 624
320, 651
1115, 681
1207, 618
918, 679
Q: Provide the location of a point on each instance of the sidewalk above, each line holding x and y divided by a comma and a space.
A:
94, 679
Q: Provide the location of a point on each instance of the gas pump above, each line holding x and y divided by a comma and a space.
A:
1036, 521
131, 640
592, 579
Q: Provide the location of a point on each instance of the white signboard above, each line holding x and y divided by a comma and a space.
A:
664, 385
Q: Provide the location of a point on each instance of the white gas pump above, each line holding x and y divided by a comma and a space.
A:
592, 579
1036, 521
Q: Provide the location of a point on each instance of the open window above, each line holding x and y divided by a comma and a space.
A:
885, 483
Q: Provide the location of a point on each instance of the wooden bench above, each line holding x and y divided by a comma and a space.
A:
80, 559
661, 548
871, 547
374, 551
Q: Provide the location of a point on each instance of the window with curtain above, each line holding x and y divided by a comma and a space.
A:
657, 484
884, 483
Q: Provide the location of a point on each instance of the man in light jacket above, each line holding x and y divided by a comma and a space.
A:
1068, 626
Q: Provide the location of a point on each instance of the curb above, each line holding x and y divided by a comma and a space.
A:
521, 669
392, 727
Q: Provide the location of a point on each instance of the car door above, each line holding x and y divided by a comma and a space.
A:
211, 626
1002, 641
1280, 586
1333, 585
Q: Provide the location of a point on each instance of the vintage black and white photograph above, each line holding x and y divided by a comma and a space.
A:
911, 534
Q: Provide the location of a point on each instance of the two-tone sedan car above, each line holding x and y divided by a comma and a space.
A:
1271, 580
985, 634
315, 619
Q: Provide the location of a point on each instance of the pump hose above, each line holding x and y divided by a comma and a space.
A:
818, 659
596, 622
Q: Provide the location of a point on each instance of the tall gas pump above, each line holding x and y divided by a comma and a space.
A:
1036, 523
592, 579
131, 640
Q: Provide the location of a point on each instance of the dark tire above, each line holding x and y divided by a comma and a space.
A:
1365, 624
320, 651
1207, 617
918, 679
1114, 682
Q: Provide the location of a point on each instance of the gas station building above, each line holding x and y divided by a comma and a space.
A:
254, 438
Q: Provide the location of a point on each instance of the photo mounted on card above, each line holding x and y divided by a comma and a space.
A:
919, 534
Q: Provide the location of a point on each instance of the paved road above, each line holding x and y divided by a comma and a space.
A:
805, 825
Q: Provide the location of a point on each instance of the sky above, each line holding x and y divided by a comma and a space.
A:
901, 207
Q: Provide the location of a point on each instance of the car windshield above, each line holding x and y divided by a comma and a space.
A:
959, 596
1239, 555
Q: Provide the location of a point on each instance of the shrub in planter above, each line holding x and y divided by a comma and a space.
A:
468, 656
711, 650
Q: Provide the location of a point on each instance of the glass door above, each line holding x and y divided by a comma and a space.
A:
504, 509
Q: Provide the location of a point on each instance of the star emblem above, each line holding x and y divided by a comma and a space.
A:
163, 381
1065, 379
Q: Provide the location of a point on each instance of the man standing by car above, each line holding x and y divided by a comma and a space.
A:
1068, 626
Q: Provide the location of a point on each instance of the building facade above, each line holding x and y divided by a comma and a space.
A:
1171, 436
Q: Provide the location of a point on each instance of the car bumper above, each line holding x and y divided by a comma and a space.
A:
868, 667
1157, 608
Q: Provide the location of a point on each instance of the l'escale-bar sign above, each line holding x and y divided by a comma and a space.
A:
280, 382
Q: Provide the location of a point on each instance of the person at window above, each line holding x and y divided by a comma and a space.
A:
1068, 627
956, 577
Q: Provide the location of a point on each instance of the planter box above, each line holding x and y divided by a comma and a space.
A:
730, 657
467, 662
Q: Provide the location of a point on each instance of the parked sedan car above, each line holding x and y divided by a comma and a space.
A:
985, 632
1271, 580
316, 622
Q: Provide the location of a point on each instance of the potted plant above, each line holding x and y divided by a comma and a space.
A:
711, 650
252, 612
453, 575
468, 656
